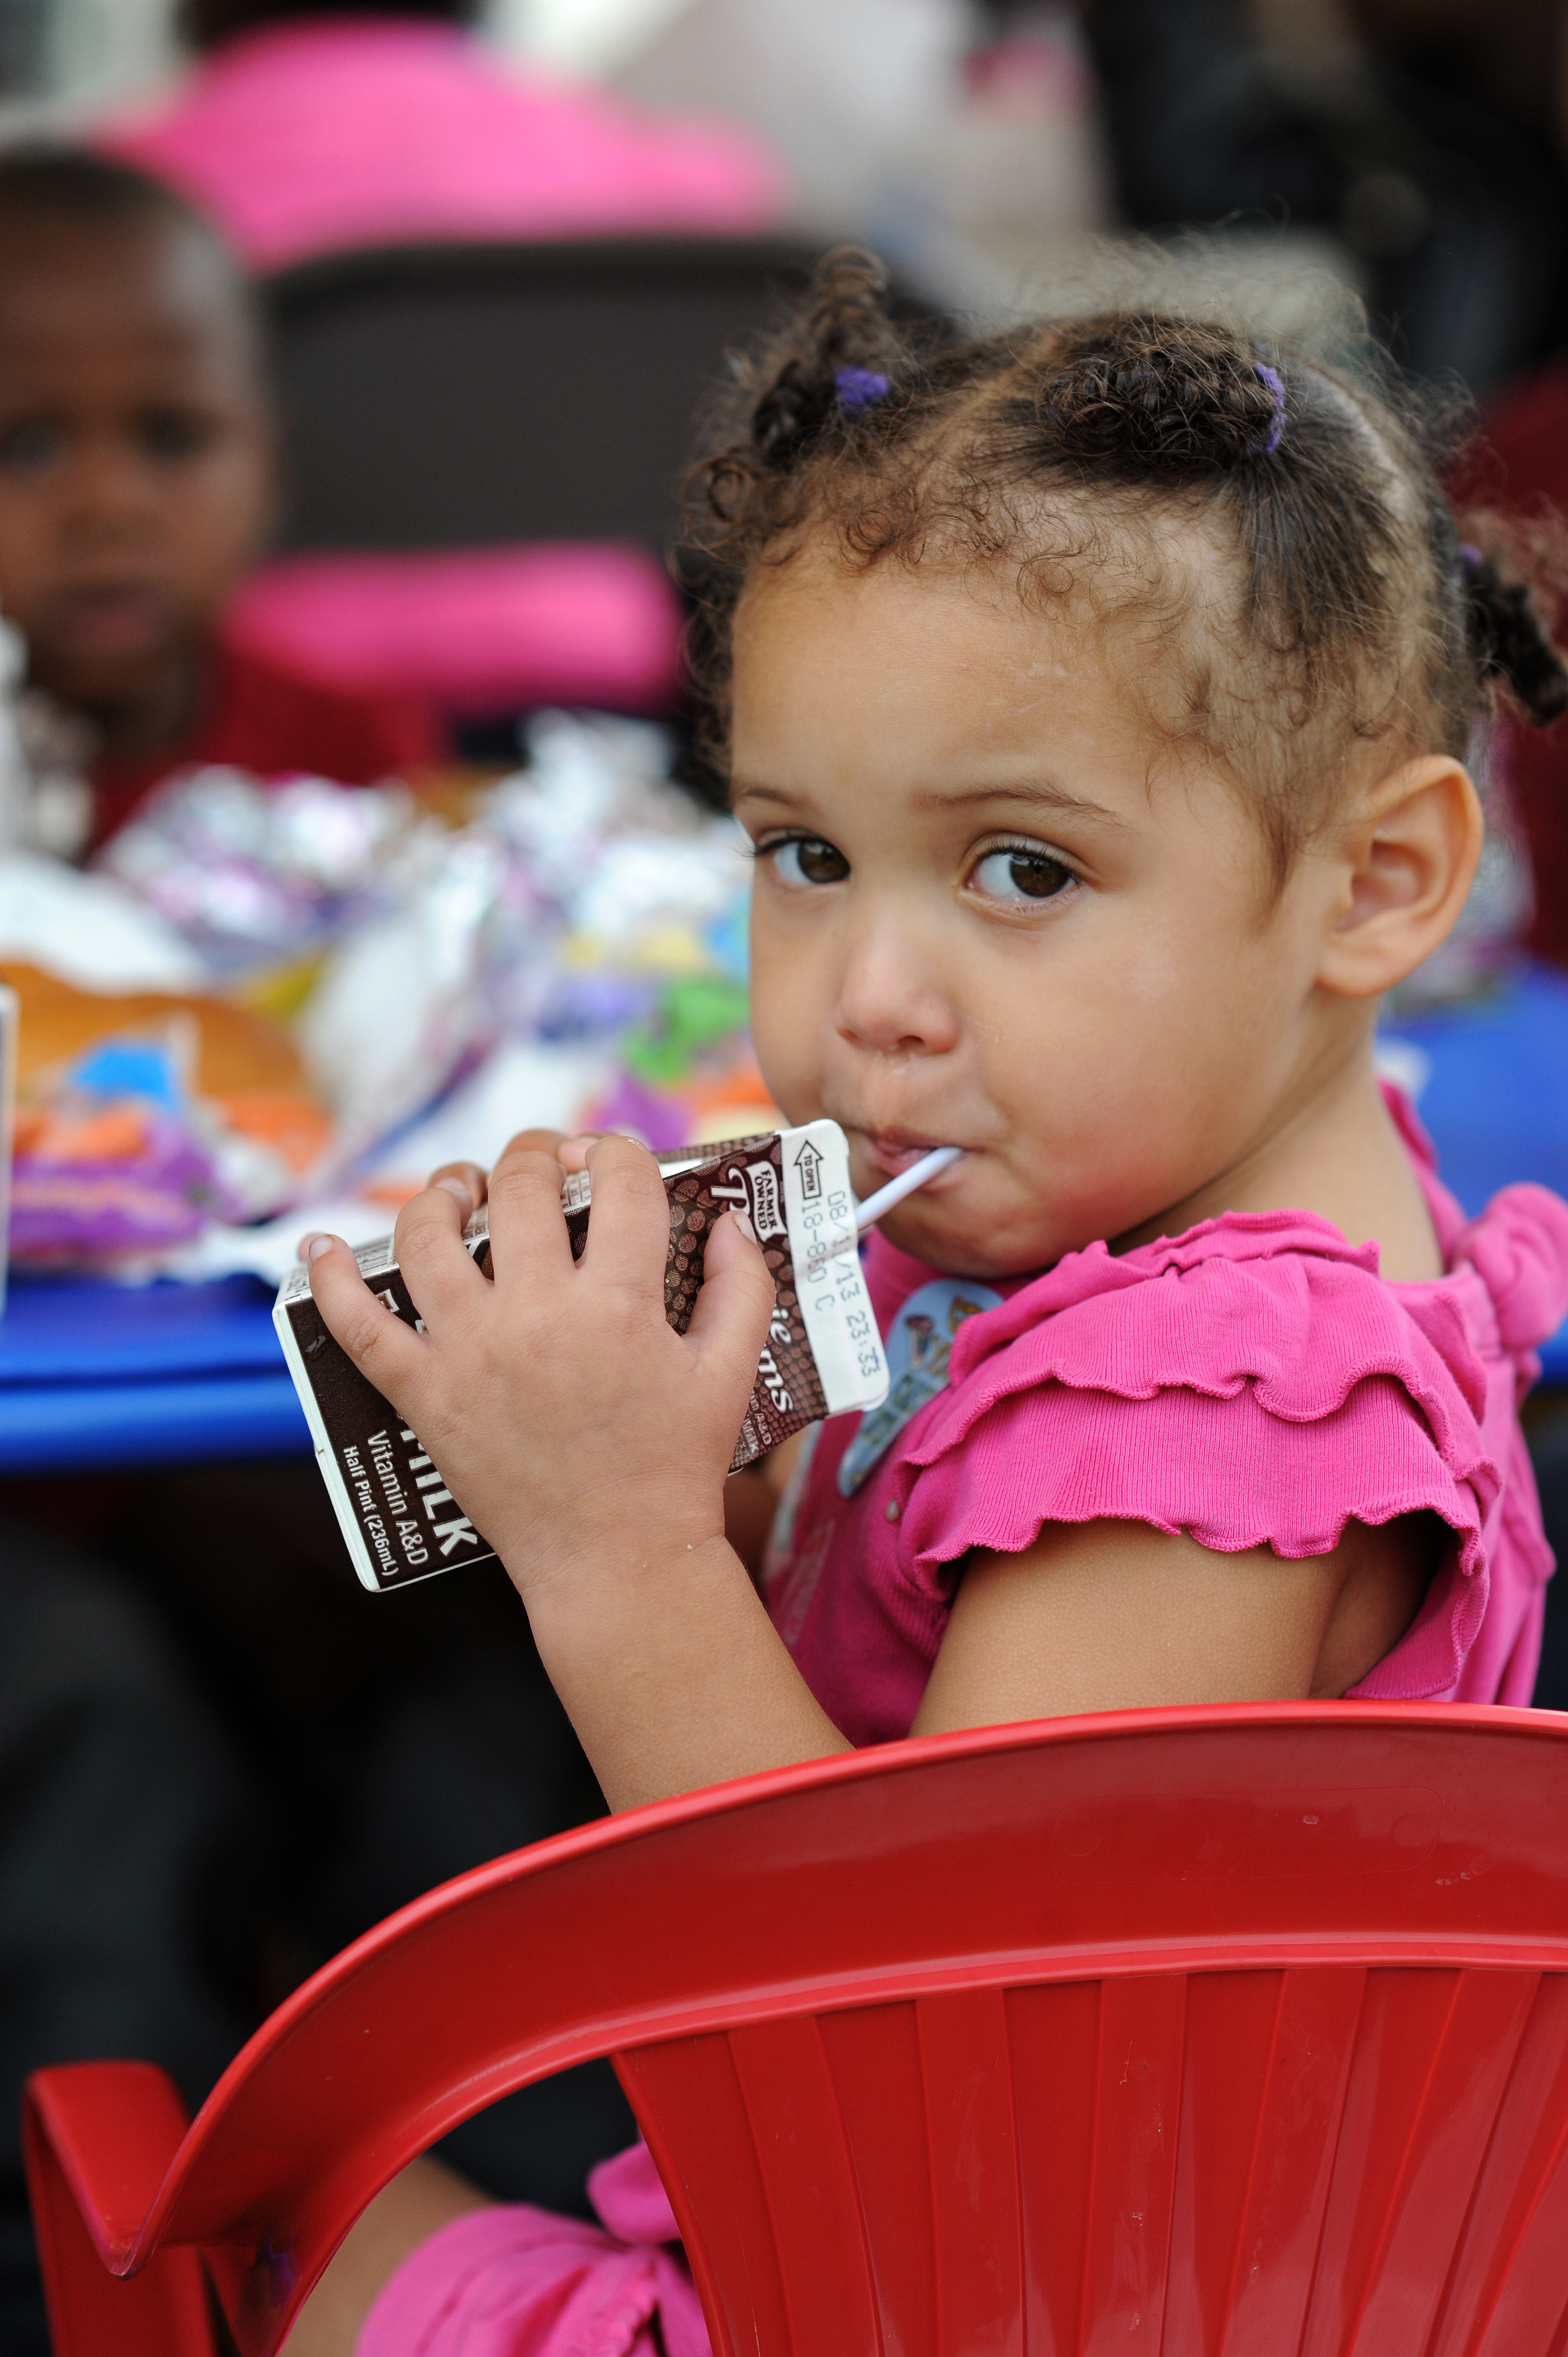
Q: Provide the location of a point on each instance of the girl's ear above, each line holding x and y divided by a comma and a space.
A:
1403, 867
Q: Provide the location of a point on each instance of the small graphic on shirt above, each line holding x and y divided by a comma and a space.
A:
919, 1341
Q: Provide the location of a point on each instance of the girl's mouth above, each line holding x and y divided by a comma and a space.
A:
891, 1151
921, 1173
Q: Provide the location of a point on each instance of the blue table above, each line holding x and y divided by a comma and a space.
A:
94, 1375
1496, 1099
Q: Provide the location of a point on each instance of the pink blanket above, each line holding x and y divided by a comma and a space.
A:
481, 630
304, 138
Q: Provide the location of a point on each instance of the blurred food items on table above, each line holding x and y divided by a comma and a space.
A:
255, 875
329, 989
141, 1116
226, 1050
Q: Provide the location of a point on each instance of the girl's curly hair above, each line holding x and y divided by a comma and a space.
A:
1321, 595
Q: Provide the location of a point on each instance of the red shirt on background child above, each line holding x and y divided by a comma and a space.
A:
274, 723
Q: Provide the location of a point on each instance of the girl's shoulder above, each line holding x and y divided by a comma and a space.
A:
1282, 1302
1256, 1381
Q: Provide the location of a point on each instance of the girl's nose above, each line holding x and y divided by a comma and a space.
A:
893, 1001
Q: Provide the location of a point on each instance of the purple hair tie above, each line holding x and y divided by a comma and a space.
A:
858, 388
1470, 556
1274, 384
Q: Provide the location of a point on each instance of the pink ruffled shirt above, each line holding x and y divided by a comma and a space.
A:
1254, 1381
522, 2282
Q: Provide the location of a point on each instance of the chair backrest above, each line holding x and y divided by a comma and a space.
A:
1237, 2031
462, 395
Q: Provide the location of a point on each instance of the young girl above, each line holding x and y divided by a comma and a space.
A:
1096, 697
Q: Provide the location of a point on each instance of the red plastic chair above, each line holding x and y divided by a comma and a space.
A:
1238, 2030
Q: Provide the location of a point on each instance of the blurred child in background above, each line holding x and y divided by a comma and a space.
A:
136, 486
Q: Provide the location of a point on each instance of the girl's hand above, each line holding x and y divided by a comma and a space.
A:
580, 1435
590, 1444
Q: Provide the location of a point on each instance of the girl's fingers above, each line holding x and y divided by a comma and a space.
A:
476, 1180
731, 1317
527, 1227
427, 1244
468, 1175
386, 1350
535, 1141
628, 1234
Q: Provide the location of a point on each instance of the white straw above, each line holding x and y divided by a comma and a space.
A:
872, 1209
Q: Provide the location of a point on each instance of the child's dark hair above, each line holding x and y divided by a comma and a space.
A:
51, 183
49, 180
1340, 605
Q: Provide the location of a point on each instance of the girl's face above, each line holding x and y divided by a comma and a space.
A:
994, 910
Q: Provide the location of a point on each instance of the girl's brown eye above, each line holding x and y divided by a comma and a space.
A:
1020, 875
807, 859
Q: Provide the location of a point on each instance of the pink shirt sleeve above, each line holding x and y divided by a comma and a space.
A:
1248, 1401
516, 2281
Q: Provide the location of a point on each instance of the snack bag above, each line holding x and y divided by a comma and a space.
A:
824, 1353
144, 1115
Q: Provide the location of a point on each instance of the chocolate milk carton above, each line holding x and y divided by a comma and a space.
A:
824, 1353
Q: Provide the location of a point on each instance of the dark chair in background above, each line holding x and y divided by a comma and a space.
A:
483, 446
441, 396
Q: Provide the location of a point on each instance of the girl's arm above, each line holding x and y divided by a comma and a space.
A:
420, 2199
1120, 1616
751, 1500
591, 1444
